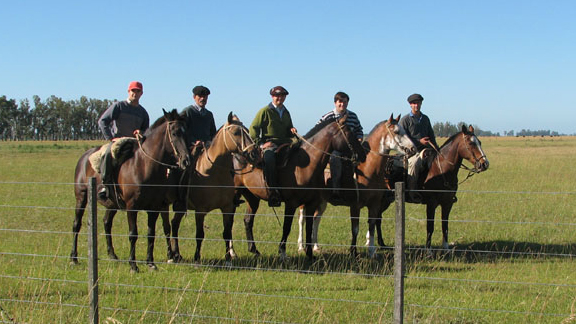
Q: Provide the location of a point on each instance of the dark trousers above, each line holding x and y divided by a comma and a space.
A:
336, 169
269, 156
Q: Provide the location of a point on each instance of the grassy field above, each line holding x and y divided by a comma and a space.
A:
512, 231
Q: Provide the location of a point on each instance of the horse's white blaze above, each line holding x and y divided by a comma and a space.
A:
476, 141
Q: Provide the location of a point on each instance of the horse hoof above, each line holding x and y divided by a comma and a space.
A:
301, 250
228, 264
152, 267
134, 270
316, 248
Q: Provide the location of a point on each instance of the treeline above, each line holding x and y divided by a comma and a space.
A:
51, 119
447, 129
56, 119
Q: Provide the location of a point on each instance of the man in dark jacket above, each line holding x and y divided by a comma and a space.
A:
419, 129
200, 125
122, 119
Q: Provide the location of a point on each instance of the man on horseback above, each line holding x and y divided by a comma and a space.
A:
337, 163
122, 119
200, 125
272, 127
420, 131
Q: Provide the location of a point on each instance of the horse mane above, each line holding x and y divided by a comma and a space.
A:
173, 115
318, 127
376, 127
450, 139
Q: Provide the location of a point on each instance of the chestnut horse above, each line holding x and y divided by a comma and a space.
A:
440, 181
299, 179
140, 185
370, 183
212, 184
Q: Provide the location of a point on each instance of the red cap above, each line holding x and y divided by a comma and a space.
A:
135, 85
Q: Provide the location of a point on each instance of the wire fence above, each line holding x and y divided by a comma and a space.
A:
541, 248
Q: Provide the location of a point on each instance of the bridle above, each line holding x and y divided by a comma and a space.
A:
242, 147
353, 159
402, 147
471, 171
139, 137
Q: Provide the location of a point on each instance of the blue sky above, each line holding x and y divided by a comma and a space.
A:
501, 65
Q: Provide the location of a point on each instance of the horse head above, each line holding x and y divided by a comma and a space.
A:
175, 131
348, 141
394, 137
471, 149
237, 140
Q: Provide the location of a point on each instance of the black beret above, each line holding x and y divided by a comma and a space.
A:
278, 91
415, 97
200, 91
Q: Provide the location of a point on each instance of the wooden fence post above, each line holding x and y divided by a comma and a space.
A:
399, 257
93, 252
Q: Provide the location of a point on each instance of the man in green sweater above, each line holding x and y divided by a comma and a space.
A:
272, 127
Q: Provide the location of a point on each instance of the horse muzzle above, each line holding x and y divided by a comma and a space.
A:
481, 165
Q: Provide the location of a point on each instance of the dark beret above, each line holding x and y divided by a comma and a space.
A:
278, 91
415, 97
200, 91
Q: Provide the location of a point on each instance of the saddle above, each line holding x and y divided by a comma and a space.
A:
122, 149
284, 152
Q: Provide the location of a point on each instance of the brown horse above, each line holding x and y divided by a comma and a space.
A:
299, 178
441, 179
139, 184
212, 184
370, 183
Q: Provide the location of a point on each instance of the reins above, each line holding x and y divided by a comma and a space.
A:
139, 138
328, 153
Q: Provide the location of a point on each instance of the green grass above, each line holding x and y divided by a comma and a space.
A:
525, 203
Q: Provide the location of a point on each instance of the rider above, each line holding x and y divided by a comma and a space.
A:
337, 162
419, 129
272, 127
122, 119
200, 125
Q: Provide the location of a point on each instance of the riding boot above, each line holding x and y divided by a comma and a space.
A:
274, 198
336, 175
106, 170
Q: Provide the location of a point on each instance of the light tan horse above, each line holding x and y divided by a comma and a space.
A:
371, 183
212, 184
299, 179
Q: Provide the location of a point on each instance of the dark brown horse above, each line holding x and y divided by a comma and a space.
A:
370, 183
299, 178
140, 185
212, 184
440, 182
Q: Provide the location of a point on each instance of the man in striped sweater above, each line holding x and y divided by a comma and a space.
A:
337, 164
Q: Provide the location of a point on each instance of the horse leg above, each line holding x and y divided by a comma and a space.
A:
199, 233
317, 217
385, 203
287, 226
174, 250
251, 209
372, 220
152, 218
81, 201
355, 224
300, 229
167, 228
310, 216
108, 219
446, 208
132, 237
228, 220
430, 211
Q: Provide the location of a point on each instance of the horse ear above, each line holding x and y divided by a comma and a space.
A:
230, 115
391, 117
398, 118
164, 111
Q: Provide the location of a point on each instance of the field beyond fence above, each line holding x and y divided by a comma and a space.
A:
511, 260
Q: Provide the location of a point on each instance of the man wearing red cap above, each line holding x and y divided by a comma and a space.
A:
272, 127
122, 119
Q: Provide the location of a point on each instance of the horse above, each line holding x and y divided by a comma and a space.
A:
212, 184
441, 179
138, 186
299, 178
370, 180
